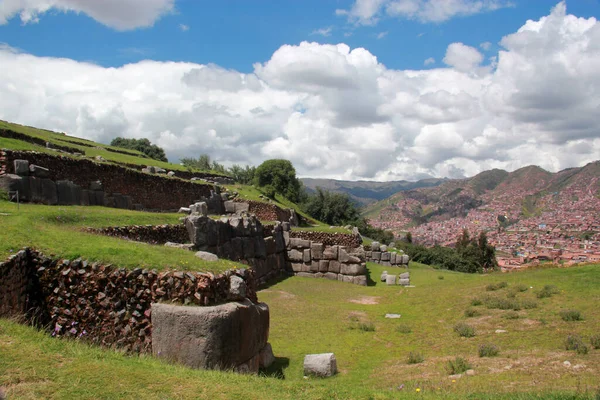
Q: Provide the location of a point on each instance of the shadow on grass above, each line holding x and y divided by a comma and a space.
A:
370, 281
272, 282
276, 369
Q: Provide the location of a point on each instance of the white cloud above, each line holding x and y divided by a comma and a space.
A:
462, 57
184, 27
323, 31
381, 35
429, 61
368, 12
335, 111
486, 46
117, 14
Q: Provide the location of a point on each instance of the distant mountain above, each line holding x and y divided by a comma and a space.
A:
367, 192
523, 193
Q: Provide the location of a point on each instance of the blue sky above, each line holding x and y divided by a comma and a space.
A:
347, 89
237, 33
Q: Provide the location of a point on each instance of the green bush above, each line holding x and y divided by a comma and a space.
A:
528, 304
488, 350
547, 291
500, 303
469, 313
366, 327
402, 328
574, 342
570, 315
464, 330
441, 277
511, 315
415, 358
496, 286
521, 287
476, 302
595, 341
3, 195
457, 366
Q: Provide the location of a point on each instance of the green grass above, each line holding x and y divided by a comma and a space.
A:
57, 230
311, 316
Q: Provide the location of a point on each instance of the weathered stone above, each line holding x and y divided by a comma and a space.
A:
298, 243
203, 231
270, 245
38, 172
68, 193
321, 365
15, 183
376, 256
353, 269
249, 250
323, 265
331, 276
229, 207
217, 337
285, 226
96, 185
405, 259
266, 356
200, 208
404, 282
307, 256
184, 210
237, 288
383, 248
21, 167
393, 316
295, 255
375, 246
330, 253
393, 259
305, 274
206, 256
405, 275
334, 266
383, 276
390, 279
316, 250
297, 267
360, 280
347, 278
314, 266
171, 173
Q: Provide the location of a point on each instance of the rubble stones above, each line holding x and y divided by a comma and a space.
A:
206, 256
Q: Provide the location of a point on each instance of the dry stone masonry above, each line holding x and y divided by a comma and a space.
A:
378, 253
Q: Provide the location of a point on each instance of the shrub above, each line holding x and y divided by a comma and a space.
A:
415, 358
403, 328
3, 194
366, 327
488, 350
528, 304
520, 287
547, 291
441, 277
574, 342
469, 312
511, 315
476, 302
595, 341
500, 303
464, 330
496, 286
457, 366
571, 315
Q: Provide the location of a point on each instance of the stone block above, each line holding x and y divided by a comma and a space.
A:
334, 266
316, 250
237, 249
390, 279
360, 280
266, 356
405, 275
297, 267
385, 263
323, 265
241, 207
21, 167
85, 197
330, 253
286, 240
353, 269
96, 185
295, 255
376, 256
260, 249
279, 241
229, 207
314, 266
68, 193
305, 274
298, 243
307, 267
331, 276
383, 276
375, 246
249, 250
270, 245
14, 183
285, 226
307, 256
202, 231
385, 256
405, 259
404, 282
218, 337
383, 248
347, 278
206, 256
393, 259
199, 208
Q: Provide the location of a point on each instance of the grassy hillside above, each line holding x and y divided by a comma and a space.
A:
314, 315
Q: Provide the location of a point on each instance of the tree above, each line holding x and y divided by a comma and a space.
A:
202, 163
278, 176
408, 237
141, 145
330, 207
245, 176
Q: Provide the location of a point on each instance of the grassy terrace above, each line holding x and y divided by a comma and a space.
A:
57, 230
312, 315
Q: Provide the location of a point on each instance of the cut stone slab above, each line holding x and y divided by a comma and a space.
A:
206, 256
321, 365
383, 276
21, 167
390, 279
500, 331
393, 316
224, 337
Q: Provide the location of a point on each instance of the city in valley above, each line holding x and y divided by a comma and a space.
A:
531, 216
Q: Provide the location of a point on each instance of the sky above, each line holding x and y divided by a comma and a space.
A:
345, 89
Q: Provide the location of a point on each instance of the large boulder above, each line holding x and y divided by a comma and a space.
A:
202, 230
322, 365
223, 337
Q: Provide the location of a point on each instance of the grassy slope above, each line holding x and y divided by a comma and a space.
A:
57, 230
312, 315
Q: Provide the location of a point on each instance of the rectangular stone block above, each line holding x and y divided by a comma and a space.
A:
385, 256
393, 258
314, 266
298, 243
376, 255
334, 266
316, 250
353, 269
270, 245
360, 280
307, 267
305, 274
323, 265
330, 253
331, 276
297, 267
295, 255
307, 257
404, 282
347, 279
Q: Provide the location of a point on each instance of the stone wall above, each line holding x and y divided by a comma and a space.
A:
268, 212
329, 238
29, 139
153, 234
379, 254
104, 304
155, 192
